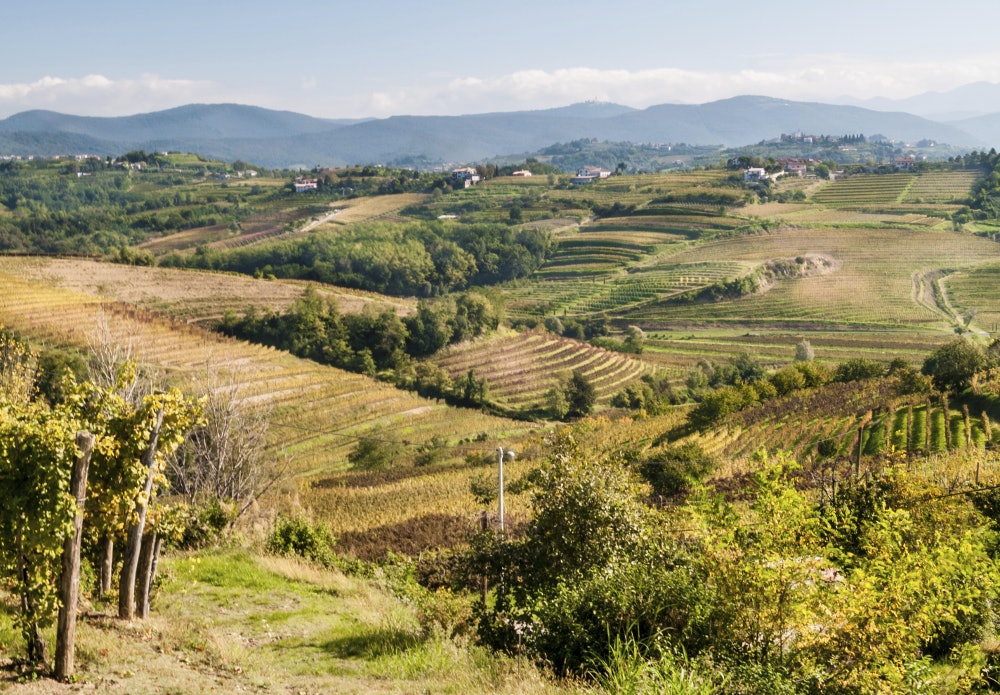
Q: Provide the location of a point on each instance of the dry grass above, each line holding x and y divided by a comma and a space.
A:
374, 207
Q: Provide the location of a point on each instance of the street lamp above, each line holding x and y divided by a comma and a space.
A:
501, 455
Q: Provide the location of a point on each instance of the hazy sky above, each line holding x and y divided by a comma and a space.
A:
336, 59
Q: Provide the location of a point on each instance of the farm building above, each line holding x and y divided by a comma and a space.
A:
467, 176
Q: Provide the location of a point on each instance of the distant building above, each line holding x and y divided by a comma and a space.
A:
302, 185
521, 172
589, 174
754, 175
794, 167
904, 163
466, 176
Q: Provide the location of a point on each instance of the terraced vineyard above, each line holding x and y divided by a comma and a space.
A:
318, 411
942, 187
864, 190
521, 368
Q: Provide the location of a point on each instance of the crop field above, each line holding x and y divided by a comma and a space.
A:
372, 208
521, 368
872, 284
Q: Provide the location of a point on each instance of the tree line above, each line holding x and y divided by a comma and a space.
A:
420, 259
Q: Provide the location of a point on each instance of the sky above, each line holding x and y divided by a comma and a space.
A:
378, 58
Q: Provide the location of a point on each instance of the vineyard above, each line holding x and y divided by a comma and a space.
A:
521, 368
318, 412
827, 423
188, 296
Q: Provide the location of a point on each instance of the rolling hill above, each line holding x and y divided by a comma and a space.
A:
285, 139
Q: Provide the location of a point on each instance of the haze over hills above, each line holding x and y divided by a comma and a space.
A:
286, 139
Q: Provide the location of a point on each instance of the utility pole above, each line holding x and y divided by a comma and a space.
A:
501, 455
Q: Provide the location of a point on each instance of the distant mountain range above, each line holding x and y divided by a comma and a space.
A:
285, 139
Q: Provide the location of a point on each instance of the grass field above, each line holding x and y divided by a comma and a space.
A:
234, 621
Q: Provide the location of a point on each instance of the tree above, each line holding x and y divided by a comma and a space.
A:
375, 451
635, 340
952, 366
804, 351
581, 395
223, 457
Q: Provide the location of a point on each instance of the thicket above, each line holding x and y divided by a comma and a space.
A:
421, 259
863, 591
371, 341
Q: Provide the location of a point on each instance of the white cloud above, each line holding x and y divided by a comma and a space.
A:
819, 77
97, 95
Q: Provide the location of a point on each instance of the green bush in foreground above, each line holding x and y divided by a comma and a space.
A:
775, 594
297, 537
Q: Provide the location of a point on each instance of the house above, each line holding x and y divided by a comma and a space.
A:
794, 167
466, 176
754, 175
904, 163
521, 172
594, 172
302, 185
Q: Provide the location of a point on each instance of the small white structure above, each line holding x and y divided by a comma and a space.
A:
594, 172
754, 175
302, 185
521, 172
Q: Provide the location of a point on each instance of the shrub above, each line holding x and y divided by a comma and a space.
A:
673, 469
297, 537
952, 366
858, 369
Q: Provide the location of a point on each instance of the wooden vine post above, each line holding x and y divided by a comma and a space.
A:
130, 566
69, 580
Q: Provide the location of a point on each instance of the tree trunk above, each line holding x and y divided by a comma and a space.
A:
107, 566
130, 559
69, 580
145, 579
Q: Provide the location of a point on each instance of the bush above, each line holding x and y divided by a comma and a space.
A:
673, 469
299, 538
858, 369
952, 366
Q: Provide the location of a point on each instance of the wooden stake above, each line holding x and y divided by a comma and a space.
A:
69, 581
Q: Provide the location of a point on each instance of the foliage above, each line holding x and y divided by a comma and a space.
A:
370, 341
858, 369
952, 366
580, 395
37, 450
652, 394
673, 469
420, 259
297, 536
804, 351
375, 451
